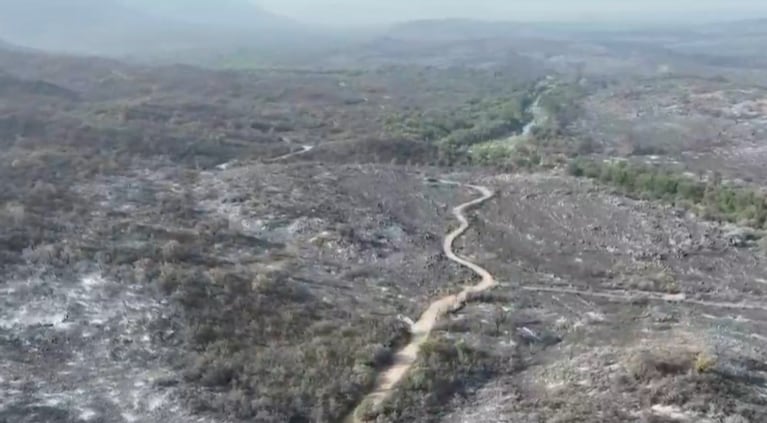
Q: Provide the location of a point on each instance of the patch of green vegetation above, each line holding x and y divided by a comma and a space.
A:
494, 151
470, 123
445, 368
265, 348
560, 103
714, 199
513, 153
455, 130
763, 244
486, 131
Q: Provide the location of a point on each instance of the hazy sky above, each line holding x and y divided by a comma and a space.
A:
382, 11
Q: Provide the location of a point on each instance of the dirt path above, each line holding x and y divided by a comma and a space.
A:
421, 329
633, 295
304, 149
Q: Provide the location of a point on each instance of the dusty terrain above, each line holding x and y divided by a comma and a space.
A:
181, 244
403, 360
632, 294
702, 124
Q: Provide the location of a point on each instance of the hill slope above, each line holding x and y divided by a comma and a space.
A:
135, 27
83, 26
223, 14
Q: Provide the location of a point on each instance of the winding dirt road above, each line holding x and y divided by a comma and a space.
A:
420, 330
304, 149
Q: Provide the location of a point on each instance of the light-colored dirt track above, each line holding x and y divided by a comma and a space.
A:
627, 295
420, 330
304, 149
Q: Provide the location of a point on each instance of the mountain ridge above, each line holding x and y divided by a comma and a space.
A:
223, 13
130, 27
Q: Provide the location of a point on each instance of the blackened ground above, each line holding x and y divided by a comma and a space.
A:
256, 293
611, 310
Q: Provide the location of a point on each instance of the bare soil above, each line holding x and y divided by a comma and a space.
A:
180, 244
616, 310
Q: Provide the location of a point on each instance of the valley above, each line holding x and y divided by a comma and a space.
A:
517, 224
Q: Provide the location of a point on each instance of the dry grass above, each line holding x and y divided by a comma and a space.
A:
645, 366
704, 362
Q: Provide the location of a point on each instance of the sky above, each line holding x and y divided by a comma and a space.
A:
364, 12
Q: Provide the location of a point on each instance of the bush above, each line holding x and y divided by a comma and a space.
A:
715, 199
474, 122
704, 362
265, 337
648, 365
763, 244
444, 369
13, 213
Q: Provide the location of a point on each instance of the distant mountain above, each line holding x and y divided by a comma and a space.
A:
72, 25
14, 48
740, 27
221, 14
465, 29
50, 17
13, 86
451, 29
7, 46
120, 27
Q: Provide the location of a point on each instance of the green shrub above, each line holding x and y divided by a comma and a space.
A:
267, 338
715, 199
444, 369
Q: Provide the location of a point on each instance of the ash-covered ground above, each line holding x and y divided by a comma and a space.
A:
612, 309
86, 348
608, 308
107, 335
163, 260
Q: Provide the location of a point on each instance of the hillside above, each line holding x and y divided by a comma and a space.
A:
142, 28
224, 14
81, 26
282, 244
6, 45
